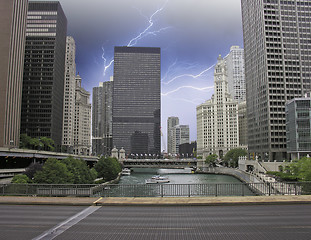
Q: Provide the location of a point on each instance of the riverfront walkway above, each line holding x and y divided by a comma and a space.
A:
157, 201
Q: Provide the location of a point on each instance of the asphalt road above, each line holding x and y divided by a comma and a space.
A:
175, 222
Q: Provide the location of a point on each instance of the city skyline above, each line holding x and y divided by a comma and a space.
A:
190, 42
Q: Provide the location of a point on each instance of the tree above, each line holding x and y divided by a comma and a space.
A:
54, 172
24, 141
108, 168
211, 160
32, 169
48, 144
20, 178
81, 172
301, 169
231, 159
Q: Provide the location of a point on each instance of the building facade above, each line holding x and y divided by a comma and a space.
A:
69, 96
217, 118
13, 15
236, 73
82, 120
137, 100
298, 127
277, 45
171, 122
180, 135
242, 125
188, 149
44, 68
102, 119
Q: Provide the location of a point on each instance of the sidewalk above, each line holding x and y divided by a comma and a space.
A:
156, 201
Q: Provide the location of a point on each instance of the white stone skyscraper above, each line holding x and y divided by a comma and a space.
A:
82, 120
236, 73
217, 118
277, 45
69, 95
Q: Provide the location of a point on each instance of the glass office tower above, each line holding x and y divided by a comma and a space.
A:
277, 46
137, 100
44, 69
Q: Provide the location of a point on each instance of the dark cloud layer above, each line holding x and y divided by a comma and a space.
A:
198, 31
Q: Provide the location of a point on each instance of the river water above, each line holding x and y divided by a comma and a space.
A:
176, 176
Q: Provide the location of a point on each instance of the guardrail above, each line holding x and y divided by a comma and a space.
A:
157, 190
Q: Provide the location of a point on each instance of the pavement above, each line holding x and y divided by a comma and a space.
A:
157, 201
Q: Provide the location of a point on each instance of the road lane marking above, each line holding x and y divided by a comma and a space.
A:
97, 200
63, 226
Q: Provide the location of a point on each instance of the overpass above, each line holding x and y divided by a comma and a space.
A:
28, 155
160, 163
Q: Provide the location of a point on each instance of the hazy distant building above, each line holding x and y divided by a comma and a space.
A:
13, 15
69, 96
137, 99
217, 118
102, 119
82, 120
277, 68
43, 83
180, 135
236, 73
171, 122
298, 127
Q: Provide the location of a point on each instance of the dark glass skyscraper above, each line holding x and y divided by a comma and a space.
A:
137, 100
43, 83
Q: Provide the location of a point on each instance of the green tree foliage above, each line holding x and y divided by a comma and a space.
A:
32, 169
81, 172
54, 172
67, 171
108, 168
301, 169
20, 178
211, 160
48, 144
43, 143
231, 159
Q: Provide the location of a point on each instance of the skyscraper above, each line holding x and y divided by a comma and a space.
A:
217, 118
43, 83
236, 73
298, 127
102, 119
12, 47
82, 120
171, 122
180, 135
137, 100
69, 95
277, 45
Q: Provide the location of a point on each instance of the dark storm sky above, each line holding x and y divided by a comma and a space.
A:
191, 34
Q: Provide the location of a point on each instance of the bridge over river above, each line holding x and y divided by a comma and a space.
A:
160, 163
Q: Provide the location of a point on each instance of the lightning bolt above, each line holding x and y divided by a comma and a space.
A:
141, 35
190, 75
191, 87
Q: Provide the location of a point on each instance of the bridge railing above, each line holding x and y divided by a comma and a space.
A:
157, 190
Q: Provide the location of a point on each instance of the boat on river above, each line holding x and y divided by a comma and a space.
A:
126, 172
157, 179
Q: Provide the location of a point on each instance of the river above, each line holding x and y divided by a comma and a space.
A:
176, 176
